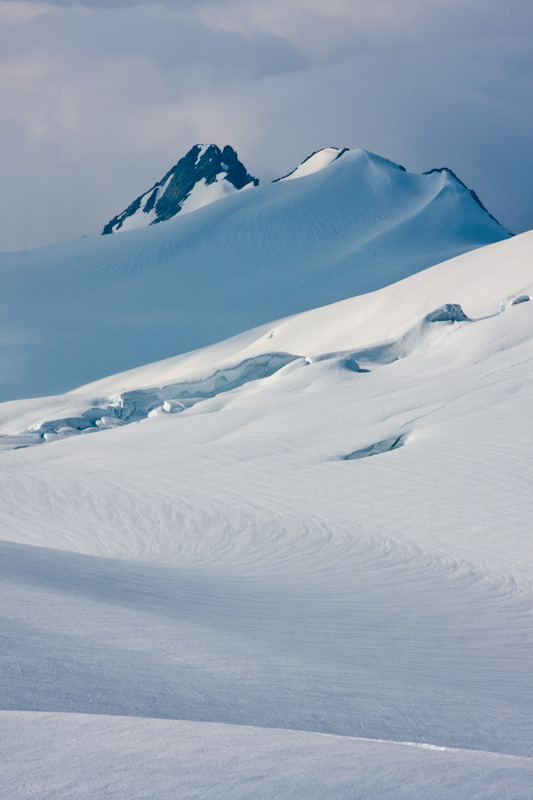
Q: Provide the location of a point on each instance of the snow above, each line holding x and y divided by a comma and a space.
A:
202, 150
202, 194
295, 562
133, 406
142, 218
477, 278
76, 312
315, 163
134, 758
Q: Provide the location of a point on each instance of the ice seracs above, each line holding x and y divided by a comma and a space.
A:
513, 300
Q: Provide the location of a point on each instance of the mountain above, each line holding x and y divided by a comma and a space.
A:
78, 311
204, 175
315, 162
296, 563
293, 557
207, 174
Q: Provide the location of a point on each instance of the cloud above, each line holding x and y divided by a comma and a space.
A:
13, 12
98, 100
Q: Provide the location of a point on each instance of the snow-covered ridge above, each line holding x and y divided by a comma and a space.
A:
107, 304
315, 163
207, 174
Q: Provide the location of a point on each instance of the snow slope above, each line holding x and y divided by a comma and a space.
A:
76, 312
314, 163
137, 758
268, 556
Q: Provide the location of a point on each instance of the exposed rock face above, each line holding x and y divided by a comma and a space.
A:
205, 174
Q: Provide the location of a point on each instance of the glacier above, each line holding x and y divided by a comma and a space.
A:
76, 312
238, 584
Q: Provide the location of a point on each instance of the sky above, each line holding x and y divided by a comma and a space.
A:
99, 98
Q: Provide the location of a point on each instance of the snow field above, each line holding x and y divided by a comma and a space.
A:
192, 601
227, 565
138, 758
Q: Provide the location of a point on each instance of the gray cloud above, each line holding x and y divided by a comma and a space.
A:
98, 100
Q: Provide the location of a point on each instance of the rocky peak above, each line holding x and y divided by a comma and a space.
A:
205, 174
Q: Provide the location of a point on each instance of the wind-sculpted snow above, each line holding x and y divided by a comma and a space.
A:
230, 601
161, 759
412, 337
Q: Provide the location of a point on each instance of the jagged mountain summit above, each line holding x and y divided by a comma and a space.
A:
204, 175
207, 174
